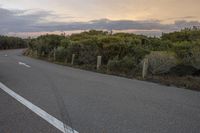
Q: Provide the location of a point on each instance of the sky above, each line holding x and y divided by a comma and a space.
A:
139, 16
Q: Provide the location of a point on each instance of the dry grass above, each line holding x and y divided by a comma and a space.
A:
188, 82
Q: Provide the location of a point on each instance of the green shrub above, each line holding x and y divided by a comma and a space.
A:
110, 47
88, 54
157, 44
65, 42
188, 53
126, 65
73, 48
195, 57
130, 49
183, 51
137, 51
61, 54
161, 62
7, 42
86, 51
188, 34
41, 48
53, 41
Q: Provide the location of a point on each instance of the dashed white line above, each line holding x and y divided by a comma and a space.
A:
50, 119
24, 64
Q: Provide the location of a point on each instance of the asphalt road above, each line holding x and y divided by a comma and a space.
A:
90, 102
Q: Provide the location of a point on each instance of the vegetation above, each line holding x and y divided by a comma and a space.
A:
161, 62
176, 53
11, 42
127, 65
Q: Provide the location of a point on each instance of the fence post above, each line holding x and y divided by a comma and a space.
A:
36, 53
43, 53
99, 62
54, 54
49, 56
73, 57
145, 68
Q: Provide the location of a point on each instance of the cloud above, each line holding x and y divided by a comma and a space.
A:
110, 25
26, 20
180, 18
41, 21
182, 23
20, 20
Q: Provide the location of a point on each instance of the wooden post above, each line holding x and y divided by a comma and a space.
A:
43, 53
36, 53
99, 58
145, 68
49, 56
54, 54
73, 57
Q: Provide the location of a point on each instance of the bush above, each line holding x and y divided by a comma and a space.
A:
86, 51
137, 52
110, 47
157, 44
61, 54
12, 42
65, 42
127, 65
183, 51
195, 57
73, 48
188, 53
161, 62
188, 34
182, 70
88, 54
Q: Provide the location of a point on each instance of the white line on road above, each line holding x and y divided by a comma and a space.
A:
24, 64
50, 119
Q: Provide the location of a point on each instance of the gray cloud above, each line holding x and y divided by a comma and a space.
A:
180, 18
36, 21
182, 23
101, 24
20, 20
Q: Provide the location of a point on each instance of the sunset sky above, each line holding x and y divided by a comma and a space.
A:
66, 15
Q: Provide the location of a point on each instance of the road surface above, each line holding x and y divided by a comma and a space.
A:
89, 102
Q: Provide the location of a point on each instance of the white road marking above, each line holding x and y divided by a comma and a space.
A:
50, 119
5, 55
24, 64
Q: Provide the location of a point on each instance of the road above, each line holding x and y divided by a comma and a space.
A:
90, 102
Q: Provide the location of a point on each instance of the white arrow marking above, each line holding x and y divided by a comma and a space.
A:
24, 64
